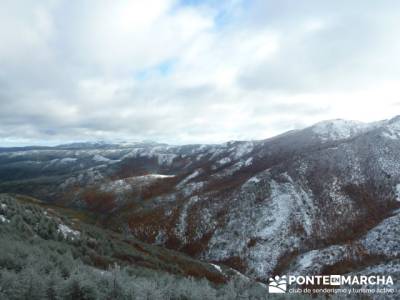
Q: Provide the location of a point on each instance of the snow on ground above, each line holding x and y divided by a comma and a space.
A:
224, 161
161, 238
158, 176
229, 171
306, 260
218, 268
356, 174
391, 134
390, 165
313, 262
200, 156
337, 194
118, 186
67, 231
216, 152
132, 154
262, 213
126, 184
165, 159
384, 239
182, 225
67, 160
248, 162
3, 219
88, 176
338, 129
253, 179
277, 212
53, 161
190, 177
243, 149
192, 187
398, 192
392, 129
100, 158
68, 182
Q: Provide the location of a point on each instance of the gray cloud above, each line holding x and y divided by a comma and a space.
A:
327, 52
205, 72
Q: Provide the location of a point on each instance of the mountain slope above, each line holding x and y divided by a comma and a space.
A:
248, 205
45, 254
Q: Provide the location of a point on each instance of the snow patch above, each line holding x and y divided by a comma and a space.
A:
182, 226
190, 177
398, 192
392, 129
218, 268
100, 158
3, 219
67, 160
158, 176
391, 134
124, 185
253, 180
166, 159
118, 186
384, 239
248, 162
243, 149
229, 171
216, 153
281, 202
339, 129
161, 238
307, 259
192, 188
68, 232
224, 161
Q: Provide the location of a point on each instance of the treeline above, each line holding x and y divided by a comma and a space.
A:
62, 277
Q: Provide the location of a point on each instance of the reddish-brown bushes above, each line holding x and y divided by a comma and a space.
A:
99, 201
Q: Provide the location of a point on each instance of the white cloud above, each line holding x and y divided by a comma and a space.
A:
178, 73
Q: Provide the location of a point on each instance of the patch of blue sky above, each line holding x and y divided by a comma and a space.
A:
223, 9
164, 69
195, 2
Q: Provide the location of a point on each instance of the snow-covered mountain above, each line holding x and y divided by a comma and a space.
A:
340, 129
318, 200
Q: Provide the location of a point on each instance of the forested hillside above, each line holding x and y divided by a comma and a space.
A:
45, 255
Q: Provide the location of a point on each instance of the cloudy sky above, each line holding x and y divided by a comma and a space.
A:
192, 71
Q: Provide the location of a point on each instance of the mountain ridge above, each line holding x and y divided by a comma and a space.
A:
246, 204
110, 143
